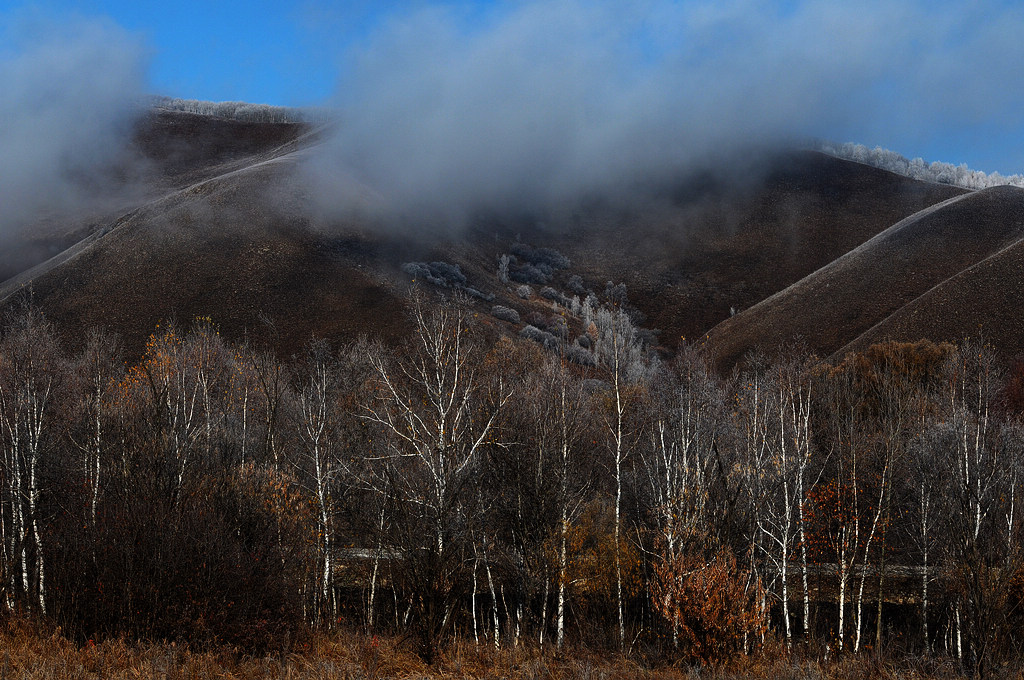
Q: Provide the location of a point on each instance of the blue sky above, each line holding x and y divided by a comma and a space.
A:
259, 51
938, 79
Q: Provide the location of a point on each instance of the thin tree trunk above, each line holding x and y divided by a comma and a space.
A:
494, 599
925, 507
562, 576
544, 611
785, 593
881, 590
476, 635
618, 504
376, 566
842, 592
959, 636
563, 557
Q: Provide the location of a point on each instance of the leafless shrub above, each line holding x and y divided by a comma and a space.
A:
537, 319
537, 335
444, 275
551, 294
503, 263
539, 274
541, 256
417, 270
473, 292
505, 313
616, 294
559, 328
449, 272
583, 357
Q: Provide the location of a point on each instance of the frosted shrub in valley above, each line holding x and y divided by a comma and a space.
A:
505, 313
537, 335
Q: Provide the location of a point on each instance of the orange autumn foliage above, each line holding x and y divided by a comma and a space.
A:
712, 603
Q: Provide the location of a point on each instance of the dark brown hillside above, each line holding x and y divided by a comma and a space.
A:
223, 230
722, 247
184, 148
984, 301
236, 249
839, 302
169, 150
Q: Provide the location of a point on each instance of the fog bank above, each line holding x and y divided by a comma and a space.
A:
445, 112
71, 90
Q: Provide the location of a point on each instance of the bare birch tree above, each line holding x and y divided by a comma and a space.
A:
434, 417
28, 377
621, 355
679, 462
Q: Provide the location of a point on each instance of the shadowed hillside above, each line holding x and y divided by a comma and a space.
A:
184, 148
169, 150
718, 247
237, 248
222, 228
982, 301
880, 281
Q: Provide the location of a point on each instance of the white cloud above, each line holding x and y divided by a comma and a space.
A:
70, 93
443, 114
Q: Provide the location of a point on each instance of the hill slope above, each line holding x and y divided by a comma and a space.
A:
236, 248
224, 230
877, 282
983, 301
718, 247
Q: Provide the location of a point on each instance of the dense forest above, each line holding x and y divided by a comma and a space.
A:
475, 486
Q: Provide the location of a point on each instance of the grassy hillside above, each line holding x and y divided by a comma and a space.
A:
870, 284
223, 228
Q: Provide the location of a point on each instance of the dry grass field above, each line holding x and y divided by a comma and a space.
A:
946, 272
29, 653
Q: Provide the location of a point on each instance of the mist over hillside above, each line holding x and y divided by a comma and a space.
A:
244, 111
70, 100
444, 113
550, 328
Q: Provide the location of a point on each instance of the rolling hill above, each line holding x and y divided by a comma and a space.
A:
945, 272
223, 229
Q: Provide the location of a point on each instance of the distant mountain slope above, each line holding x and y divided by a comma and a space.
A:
236, 248
983, 301
183, 148
719, 246
169, 150
843, 300
224, 230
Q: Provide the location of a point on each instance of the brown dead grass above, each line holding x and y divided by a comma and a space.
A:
25, 652
983, 301
687, 264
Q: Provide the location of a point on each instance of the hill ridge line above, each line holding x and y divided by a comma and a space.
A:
920, 214
851, 345
889, 231
18, 282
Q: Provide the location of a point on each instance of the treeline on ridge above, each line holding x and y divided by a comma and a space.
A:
491, 489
